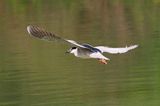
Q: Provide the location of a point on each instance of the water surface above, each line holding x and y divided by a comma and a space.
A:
38, 73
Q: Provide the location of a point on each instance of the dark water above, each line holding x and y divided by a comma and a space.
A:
38, 73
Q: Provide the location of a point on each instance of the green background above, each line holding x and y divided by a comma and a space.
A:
38, 73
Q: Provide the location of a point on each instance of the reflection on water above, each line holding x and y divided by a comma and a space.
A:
38, 73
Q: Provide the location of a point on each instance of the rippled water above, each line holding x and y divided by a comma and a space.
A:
38, 73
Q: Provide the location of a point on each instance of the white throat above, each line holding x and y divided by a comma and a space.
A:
74, 51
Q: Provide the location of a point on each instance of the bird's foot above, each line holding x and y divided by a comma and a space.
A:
103, 61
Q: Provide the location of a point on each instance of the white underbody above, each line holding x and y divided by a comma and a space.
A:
87, 55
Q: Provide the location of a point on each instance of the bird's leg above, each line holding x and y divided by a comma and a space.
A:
102, 61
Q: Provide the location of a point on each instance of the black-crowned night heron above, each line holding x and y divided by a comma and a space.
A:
79, 50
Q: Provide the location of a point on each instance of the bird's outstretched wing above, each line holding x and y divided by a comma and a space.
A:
116, 50
45, 35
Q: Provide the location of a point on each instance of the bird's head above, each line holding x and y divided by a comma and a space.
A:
72, 50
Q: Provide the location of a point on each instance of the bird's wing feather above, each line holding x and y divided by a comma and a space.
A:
45, 35
116, 50
42, 34
75, 43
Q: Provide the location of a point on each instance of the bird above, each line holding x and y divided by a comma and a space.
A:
81, 50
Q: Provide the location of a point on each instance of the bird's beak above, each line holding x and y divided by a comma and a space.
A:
68, 51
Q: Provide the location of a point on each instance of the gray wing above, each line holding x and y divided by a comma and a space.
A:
45, 35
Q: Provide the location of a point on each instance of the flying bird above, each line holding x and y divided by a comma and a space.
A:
79, 50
